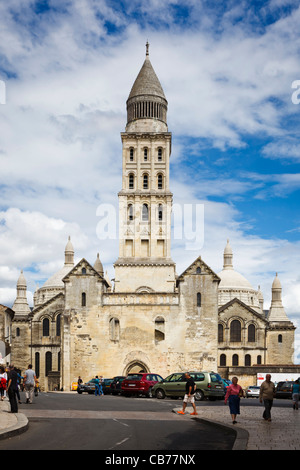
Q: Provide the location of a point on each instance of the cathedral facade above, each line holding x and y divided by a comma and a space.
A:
148, 318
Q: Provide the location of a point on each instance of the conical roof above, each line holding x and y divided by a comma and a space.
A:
21, 281
146, 83
98, 265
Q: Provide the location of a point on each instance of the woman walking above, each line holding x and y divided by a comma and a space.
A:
233, 394
295, 394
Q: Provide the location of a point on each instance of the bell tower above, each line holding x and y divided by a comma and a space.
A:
145, 200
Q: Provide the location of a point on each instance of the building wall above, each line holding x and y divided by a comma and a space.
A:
158, 332
236, 311
280, 343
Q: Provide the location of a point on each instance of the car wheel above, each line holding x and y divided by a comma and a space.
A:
160, 393
79, 391
199, 395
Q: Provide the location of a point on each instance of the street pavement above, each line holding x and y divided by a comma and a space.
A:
252, 431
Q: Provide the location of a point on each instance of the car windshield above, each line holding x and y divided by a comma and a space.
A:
198, 377
215, 378
284, 385
134, 377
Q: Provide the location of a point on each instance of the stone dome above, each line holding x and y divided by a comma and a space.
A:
233, 279
234, 285
56, 279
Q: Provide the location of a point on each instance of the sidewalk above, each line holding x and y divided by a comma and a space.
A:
11, 423
253, 433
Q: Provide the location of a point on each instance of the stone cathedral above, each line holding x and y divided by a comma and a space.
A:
148, 318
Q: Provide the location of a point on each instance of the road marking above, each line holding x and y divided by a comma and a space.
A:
119, 443
81, 414
127, 425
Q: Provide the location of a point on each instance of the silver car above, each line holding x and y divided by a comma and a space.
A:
252, 391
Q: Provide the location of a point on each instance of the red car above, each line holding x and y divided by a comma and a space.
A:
136, 384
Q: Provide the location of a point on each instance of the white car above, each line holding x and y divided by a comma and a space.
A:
252, 391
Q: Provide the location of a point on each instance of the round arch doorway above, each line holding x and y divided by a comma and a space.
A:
136, 367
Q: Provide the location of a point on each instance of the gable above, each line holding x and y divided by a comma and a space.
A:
84, 268
230, 307
204, 269
52, 305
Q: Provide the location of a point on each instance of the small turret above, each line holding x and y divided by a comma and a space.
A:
98, 266
20, 306
69, 253
277, 312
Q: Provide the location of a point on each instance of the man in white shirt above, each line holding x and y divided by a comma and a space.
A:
29, 381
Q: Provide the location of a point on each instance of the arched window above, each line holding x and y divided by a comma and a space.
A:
131, 180
235, 331
279, 338
37, 364
223, 360
159, 154
198, 270
58, 319
160, 212
48, 363
160, 182
83, 271
198, 299
83, 299
145, 181
251, 333
145, 213
220, 333
114, 329
18, 331
46, 327
159, 332
131, 154
258, 360
248, 360
130, 212
235, 360
145, 154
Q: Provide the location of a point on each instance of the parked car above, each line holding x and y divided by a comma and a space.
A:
226, 384
106, 386
88, 387
208, 385
252, 391
140, 384
284, 390
115, 386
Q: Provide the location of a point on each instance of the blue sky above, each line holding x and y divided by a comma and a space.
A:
227, 70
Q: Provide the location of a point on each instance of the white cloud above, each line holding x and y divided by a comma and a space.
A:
60, 147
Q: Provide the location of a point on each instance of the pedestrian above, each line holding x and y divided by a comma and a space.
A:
233, 395
266, 395
189, 397
6, 370
29, 380
12, 389
18, 388
3, 382
101, 380
295, 394
97, 386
